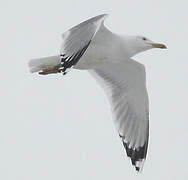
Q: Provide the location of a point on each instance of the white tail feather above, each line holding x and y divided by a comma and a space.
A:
36, 65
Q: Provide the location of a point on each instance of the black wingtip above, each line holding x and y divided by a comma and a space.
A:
69, 62
136, 155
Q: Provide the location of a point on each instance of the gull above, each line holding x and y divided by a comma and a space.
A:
108, 57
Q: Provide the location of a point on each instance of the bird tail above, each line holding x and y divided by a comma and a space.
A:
44, 64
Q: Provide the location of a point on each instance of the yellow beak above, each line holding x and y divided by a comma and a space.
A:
157, 45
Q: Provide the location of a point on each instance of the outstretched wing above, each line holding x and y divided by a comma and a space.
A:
77, 39
125, 84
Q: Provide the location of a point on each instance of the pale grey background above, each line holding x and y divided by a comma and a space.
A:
56, 127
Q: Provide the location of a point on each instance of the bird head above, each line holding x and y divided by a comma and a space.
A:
140, 43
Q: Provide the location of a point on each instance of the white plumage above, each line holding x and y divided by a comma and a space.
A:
107, 56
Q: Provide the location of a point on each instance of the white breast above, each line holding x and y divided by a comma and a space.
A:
102, 49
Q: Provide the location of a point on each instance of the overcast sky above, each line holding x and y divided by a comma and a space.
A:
55, 127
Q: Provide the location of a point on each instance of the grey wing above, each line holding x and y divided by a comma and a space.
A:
77, 39
125, 85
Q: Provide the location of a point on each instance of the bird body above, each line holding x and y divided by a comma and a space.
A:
98, 53
108, 58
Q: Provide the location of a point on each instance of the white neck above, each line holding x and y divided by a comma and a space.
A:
130, 46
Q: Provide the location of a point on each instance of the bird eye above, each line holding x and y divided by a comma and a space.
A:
144, 38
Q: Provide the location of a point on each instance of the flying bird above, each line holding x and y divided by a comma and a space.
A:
108, 57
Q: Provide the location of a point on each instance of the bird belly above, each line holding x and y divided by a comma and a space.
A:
94, 57
102, 50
